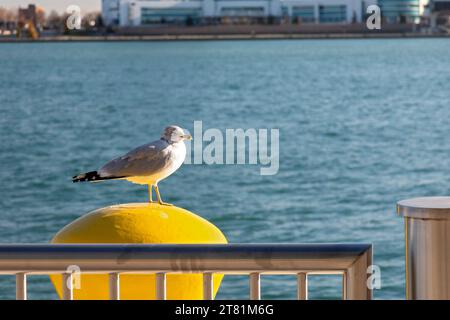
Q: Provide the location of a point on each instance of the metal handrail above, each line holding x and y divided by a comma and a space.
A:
350, 260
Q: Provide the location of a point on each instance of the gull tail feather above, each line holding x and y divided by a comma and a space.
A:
91, 176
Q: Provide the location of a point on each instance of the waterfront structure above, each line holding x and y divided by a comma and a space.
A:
150, 12
439, 5
439, 13
400, 11
28, 22
28, 15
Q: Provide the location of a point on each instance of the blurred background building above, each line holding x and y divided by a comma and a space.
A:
127, 17
30, 21
438, 12
400, 11
147, 12
33, 22
8, 21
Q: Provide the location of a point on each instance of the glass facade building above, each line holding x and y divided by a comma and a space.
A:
146, 12
152, 16
400, 11
242, 12
304, 13
333, 13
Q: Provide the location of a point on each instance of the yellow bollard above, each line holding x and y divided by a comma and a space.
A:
140, 223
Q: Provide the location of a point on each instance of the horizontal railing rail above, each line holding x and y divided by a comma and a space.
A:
349, 260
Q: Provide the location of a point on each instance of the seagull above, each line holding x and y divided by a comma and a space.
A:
147, 164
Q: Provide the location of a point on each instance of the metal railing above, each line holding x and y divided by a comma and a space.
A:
349, 260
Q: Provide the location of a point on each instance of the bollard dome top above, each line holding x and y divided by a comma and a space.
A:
425, 208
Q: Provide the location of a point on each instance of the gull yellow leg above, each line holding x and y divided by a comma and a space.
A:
150, 193
158, 196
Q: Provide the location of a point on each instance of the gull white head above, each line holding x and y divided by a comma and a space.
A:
173, 134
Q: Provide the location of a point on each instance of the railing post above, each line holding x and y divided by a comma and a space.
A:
21, 286
160, 286
344, 286
114, 286
67, 286
255, 286
356, 278
208, 286
302, 286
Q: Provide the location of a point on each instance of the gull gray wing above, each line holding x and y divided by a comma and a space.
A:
145, 160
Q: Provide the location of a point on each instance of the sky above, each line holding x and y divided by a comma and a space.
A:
58, 5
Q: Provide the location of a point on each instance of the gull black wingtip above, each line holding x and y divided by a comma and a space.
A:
92, 176
88, 176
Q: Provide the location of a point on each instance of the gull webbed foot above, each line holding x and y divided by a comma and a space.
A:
158, 196
165, 204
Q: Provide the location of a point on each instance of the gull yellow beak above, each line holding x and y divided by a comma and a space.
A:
187, 137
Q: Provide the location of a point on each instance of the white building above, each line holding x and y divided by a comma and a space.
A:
146, 12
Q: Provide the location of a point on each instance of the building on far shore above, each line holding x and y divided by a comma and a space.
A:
148, 12
401, 11
29, 21
28, 15
439, 11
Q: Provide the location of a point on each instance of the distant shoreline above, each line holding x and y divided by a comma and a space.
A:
205, 37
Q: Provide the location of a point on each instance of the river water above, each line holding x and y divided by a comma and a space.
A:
363, 124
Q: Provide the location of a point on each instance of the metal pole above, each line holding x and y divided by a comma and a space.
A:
208, 286
302, 286
114, 286
21, 286
67, 286
160, 286
181, 258
255, 287
427, 247
344, 286
356, 279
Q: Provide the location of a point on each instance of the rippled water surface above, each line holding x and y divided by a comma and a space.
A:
363, 123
